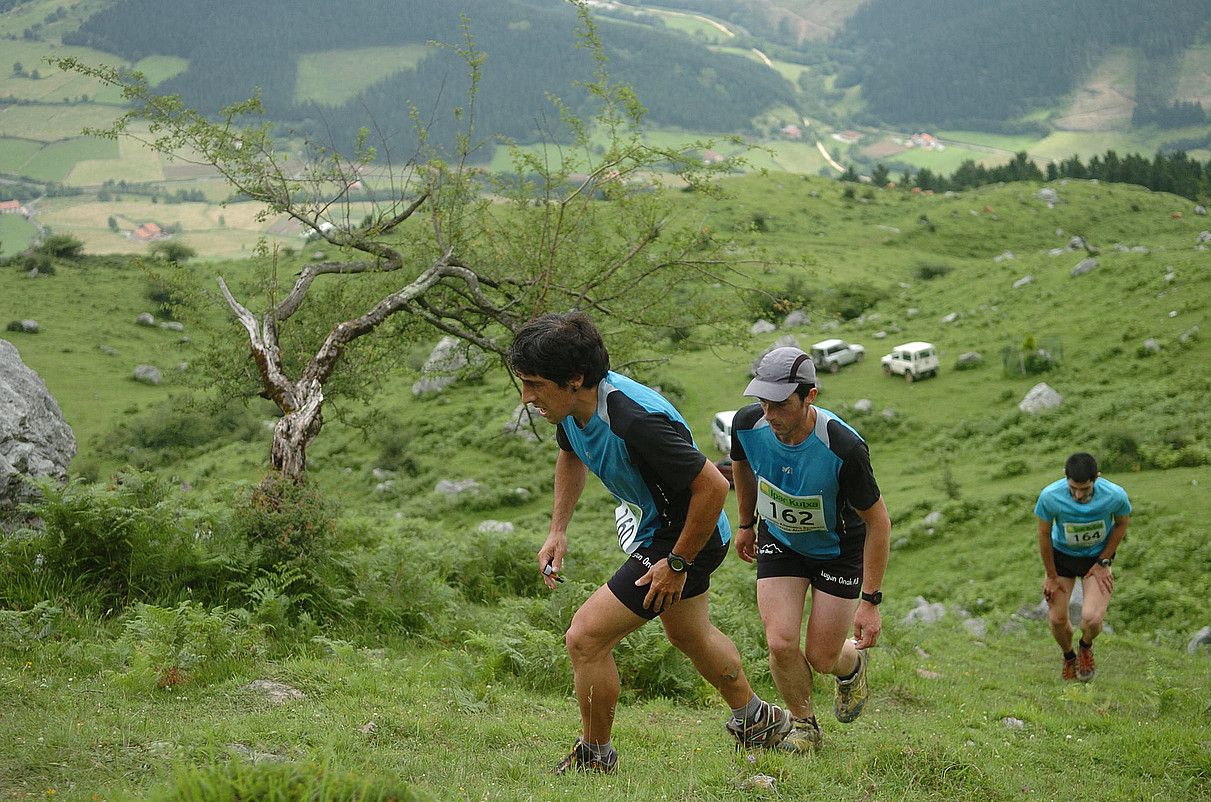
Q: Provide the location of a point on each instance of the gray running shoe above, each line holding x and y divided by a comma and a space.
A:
764, 730
851, 694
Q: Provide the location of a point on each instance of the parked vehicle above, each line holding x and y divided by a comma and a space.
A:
721, 430
830, 355
913, 361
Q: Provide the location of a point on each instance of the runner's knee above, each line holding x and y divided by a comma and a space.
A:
823, 661
783, 646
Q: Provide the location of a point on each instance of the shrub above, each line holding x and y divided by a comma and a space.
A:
402, 592
20, 629
61, 246
294, 554
928, 272
174, 646
14, 325
38, 263
1120, 451
490, 566
134, 540
851, 300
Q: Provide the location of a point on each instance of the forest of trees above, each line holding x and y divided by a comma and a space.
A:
1166, 172
233, 48
961, 63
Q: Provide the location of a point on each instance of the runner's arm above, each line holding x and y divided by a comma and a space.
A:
878, 545
570, 475
708, 492
746, 508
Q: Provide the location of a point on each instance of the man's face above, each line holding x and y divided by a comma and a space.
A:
788, 418
1081, 492
553, 401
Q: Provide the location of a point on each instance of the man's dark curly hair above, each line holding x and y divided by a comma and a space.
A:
560, 348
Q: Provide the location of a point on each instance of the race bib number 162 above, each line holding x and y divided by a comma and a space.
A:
788, 512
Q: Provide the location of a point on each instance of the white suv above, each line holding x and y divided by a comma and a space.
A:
913, 361
830, 355
721, 430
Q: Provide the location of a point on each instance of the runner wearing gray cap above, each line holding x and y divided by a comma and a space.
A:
811, 515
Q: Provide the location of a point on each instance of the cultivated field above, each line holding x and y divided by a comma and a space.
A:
331, 77
1106, 100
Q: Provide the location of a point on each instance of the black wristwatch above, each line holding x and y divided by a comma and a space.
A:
1106, 562
679, 564
874, 598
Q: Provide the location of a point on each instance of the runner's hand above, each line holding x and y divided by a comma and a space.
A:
664, 587
746, 544
868, 623
1104, 577
552, 553
1051, 586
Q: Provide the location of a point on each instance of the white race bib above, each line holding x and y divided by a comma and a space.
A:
790, 513
1087, 534
628, 527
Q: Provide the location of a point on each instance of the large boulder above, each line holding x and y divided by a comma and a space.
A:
1041, 398
35, 440
446, 362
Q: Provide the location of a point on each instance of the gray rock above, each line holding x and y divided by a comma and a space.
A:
911, 312
456, 487
1204, 236
1170, 277
1041, 397
108, 350
384, 487
29, 326
888, 414
441, 369
1076, 243
1057, 252
1074, 603
1023, 281
1121, 248
1201, 638
1013, 723
1200, 210
276, 692
521, 423
969, 359
35, 440
148, 374
1188, 336
317, 254
382, 475
1152, 346
796, 319
495, 527
1003, 257
1033, 612
145, 319
951, 318
1084, 266
1048, 194
1011, 627
762, 327
925, 612
245, 752
863, 406
880, 335
172, 325
976, 627
932, 519
1140, 249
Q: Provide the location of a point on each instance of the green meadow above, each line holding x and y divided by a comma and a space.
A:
331, 77
439, 669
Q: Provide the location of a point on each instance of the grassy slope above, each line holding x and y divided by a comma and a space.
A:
1139, 731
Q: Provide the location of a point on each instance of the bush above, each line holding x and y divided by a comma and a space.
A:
403, 593
61, 246
931, 271
171, 430
853, 299
294, 555
174, 646
38, 263
1120, 451
488, 567
109, 546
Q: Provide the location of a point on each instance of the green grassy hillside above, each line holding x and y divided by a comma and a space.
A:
456, 658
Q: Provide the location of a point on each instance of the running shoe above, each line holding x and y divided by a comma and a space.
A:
804, 737
1085, 666
851, 693
581, 758
764, 731
1068, 673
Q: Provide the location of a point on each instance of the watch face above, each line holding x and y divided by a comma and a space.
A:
677, 564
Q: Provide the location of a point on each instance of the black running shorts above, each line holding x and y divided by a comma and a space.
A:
837, 576
697, 581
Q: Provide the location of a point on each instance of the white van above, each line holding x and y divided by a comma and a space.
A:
913, 361
721, 430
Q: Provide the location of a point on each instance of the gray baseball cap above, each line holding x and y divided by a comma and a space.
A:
780, 372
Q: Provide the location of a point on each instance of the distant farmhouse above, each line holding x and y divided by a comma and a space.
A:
149, 232
13, 207
925, 142
791, 131
848, 137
